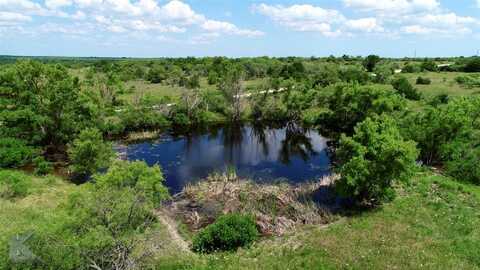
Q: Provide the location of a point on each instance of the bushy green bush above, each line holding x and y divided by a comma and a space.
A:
103, 224
180, 119
89, 152
462, 159
424, 81
468, 81
352, 74
411, 68
113, 125
228, 233
137, 175
383, 72
373, 159
42, 167
473, 65
404, 88
14, 153
429, 65
436, 127
13, 184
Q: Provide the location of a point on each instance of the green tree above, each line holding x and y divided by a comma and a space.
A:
137, 175
405, 88
383, 73
350, 104
373, 159
39, 103
89, 152
429, 65
157, 74
437, 127
370, 62
472, 65
232, 89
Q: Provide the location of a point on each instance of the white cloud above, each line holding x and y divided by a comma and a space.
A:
445, 19
134, 17
55, 4
441, 32
25, 5
13, 17
440, 24
368, 25
88, 3
181, 12
79, 15
228, 28
397, 6
304, 18
308, 18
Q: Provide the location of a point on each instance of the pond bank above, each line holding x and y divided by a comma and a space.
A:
277, 208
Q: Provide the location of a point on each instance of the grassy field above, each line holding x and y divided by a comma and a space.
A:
432, 224
442, 83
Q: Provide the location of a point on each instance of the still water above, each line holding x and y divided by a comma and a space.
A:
288, 153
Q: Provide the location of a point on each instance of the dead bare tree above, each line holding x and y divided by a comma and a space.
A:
233, 88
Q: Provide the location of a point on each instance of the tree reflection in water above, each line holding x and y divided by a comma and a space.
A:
296, 143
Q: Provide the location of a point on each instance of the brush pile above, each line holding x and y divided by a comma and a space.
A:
277, 208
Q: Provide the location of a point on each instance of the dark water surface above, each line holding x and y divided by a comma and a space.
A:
289, 153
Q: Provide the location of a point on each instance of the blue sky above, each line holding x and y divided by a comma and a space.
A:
156, 28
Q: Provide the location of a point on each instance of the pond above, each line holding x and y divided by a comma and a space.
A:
287, 153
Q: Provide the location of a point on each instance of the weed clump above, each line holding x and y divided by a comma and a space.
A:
228, 233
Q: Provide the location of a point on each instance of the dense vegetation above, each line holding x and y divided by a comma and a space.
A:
58, 115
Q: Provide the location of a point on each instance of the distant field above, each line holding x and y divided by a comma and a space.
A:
442, 83
142, 87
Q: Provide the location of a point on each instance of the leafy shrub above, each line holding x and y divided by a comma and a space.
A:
103, 224
228, 233
373, 159
13, 184
468, 81
473, 65
353, 74
89, 152
181, 119
328, 75
429, 65
462, 159
157, 74
97, 228
437, 127
439, 99
383, 73
404, 88
411, 68
424, 81
113, 126
137, 175
14, 153
42, 167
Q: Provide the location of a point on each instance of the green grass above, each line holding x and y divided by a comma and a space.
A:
442, 83
433, 224
28, 214
161, 90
